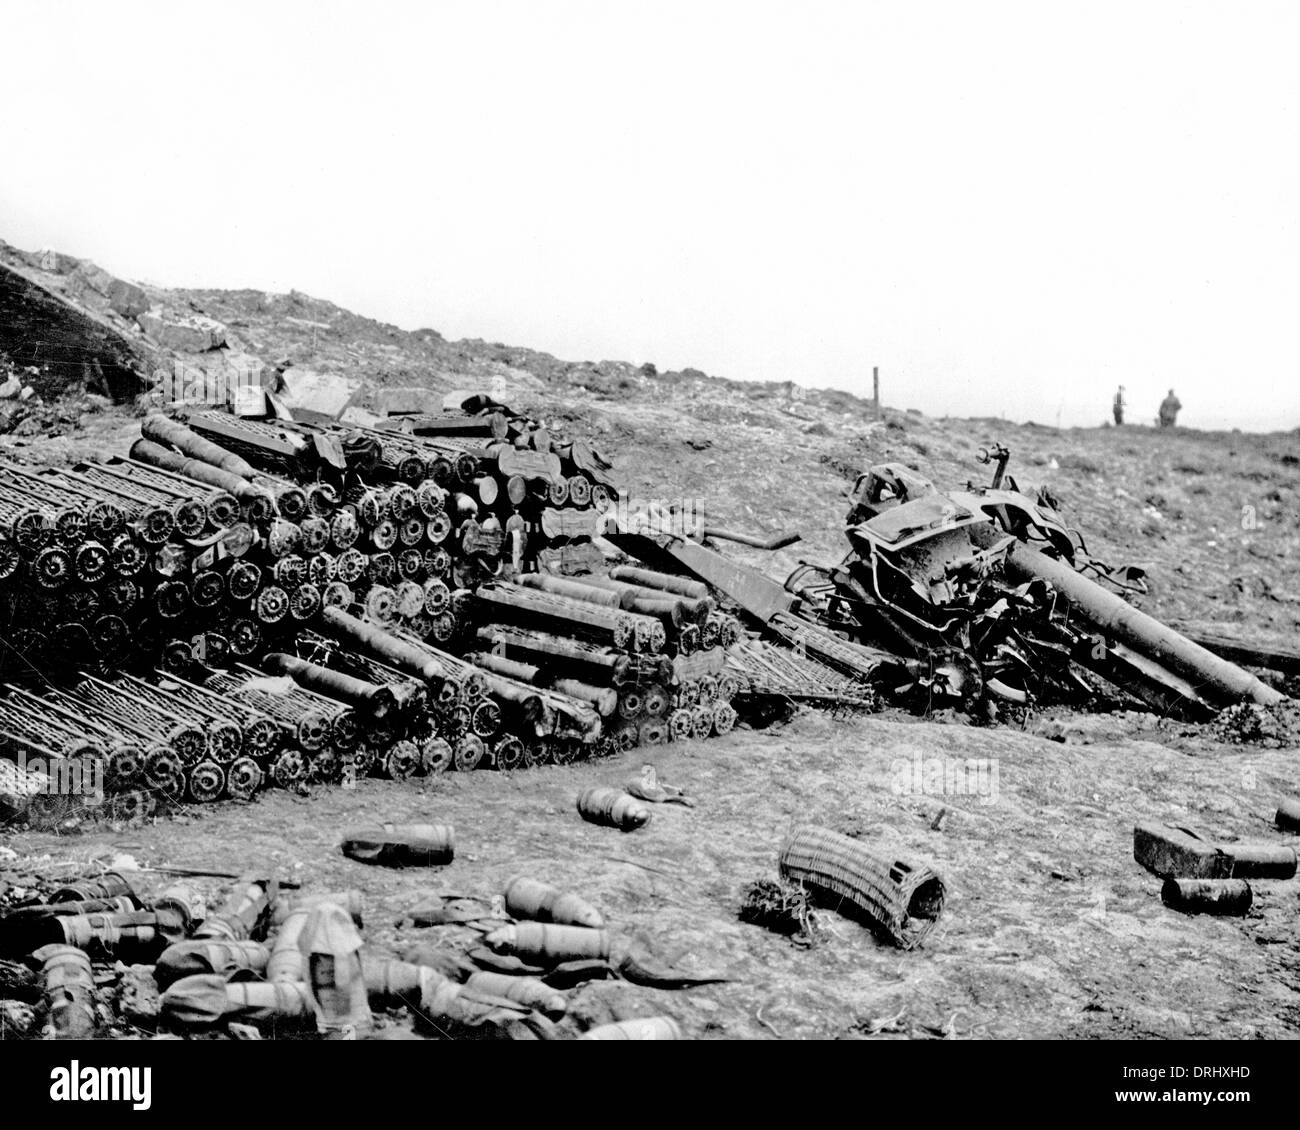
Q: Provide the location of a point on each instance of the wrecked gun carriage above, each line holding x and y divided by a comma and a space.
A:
992, 582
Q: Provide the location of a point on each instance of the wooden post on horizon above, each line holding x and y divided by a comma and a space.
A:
875, 388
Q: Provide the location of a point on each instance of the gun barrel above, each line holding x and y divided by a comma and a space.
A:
1207, 672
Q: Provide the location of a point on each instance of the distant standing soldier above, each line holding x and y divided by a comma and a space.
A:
1118, 406
1169, 410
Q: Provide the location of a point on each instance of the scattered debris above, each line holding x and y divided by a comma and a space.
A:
1175, 852
330, 945
875, 1026
190, 333
899, 900
612, 807
1249, 723
1207, 896
784, 908
402, 845
1288, 815
540, 902
544, 945
650, 1028
68, 985
273, 963
647, 786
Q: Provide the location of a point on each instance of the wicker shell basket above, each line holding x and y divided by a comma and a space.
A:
898, 900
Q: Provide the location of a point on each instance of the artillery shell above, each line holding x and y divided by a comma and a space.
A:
508, 754
211, 955
435, 756
205, 1000
452, 1004
1288, 815
69, 986
286, 962
613, 807
330, 946
541, 902
528, 991
179, 907
393, 983
1261, 861
108, 885
243, 778
350, 900
544, 945
403, 845
468, 752
1207, 896
651, 1028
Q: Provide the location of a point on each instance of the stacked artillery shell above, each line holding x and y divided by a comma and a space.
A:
455, 696
164, 735
318, 724
376, 568
386, 728
158, 552
167, 735
517, 497
808, 638
649, 660
474, 716
375, 533
68, 560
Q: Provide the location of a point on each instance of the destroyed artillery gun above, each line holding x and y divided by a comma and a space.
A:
968, 598
988, 588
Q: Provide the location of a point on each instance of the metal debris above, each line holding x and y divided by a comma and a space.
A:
613, 807
1173, 852
901, 901
402, 845
1229, 897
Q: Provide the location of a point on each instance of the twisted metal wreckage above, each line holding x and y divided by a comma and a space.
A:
966, 597
247, 602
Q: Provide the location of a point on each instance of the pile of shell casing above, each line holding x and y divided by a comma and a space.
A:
649, 659
105, 956
133, 740
304, 602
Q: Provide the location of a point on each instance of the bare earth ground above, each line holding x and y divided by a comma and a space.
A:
1050, 928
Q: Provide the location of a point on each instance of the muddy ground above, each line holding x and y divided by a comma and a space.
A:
1050, 928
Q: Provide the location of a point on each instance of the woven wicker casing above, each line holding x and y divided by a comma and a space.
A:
899, 900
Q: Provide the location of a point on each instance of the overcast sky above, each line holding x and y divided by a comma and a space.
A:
1010, 208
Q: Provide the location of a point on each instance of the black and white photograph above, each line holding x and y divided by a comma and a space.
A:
717, 522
